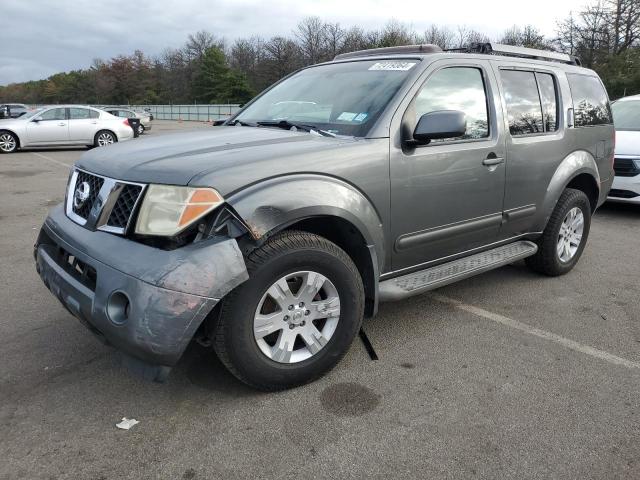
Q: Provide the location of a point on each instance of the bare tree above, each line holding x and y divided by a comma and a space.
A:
441, 36
311, 39
334, 39
198, 43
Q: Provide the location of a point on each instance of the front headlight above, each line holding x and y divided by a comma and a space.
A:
637, 162
167, 210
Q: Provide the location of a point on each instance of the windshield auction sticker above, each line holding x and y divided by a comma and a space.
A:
392, 65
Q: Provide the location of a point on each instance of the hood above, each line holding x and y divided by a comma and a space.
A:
229, 157
627, 142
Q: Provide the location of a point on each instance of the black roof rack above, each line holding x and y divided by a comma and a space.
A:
404, 49
519, 52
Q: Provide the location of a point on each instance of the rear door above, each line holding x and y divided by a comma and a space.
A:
446, 197
82, 125
535, 131
51, 128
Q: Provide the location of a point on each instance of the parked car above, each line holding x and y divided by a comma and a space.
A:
626, 185
400, 170
145, 120
147, 111
13, 110
63, 125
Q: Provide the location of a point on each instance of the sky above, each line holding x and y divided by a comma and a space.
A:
41, 37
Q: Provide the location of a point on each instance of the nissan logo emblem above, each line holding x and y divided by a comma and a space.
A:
83, 190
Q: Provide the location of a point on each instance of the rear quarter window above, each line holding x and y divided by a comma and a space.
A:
590, 102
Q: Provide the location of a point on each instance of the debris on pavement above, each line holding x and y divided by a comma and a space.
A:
127, 423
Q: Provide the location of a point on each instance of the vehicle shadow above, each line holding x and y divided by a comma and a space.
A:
619, 210
202, 368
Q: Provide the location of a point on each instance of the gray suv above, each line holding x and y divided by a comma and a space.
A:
380, 175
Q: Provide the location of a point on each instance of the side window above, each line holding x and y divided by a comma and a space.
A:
524, 111
94, 114
456, 88
79, 113
126, 114
549, 97
54, 114
590, 102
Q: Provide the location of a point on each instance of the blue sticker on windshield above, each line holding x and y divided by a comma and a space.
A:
360, 117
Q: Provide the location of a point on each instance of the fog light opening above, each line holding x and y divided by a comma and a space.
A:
118, 308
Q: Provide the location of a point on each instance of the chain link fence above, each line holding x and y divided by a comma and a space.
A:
200, 113
196, 113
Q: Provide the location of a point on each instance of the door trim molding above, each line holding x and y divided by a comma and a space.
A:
415, 239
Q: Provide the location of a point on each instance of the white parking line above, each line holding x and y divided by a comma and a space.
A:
509, 322
51, 159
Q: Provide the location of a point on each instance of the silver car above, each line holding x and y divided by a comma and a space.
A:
145, 120
63, 125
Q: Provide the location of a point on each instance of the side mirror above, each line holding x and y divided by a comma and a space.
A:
217, 123
37, 119
440, 124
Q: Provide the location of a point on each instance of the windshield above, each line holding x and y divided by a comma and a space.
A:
626, 115
341, 98
33, 113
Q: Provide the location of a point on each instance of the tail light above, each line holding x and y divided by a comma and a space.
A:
126, 122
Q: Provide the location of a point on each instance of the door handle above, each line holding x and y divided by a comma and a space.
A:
61, 124
492, 161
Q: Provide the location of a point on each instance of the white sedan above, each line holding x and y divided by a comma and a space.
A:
626, 118
63, 125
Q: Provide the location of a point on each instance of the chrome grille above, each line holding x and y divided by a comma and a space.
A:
94, 184
101, 203
123, 208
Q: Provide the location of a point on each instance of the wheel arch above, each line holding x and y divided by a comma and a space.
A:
99, 131
322, 205
578, 170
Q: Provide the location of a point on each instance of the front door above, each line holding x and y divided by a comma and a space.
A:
51, 128
447, 196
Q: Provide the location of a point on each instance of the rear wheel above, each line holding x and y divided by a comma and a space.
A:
295, 317
565, 236
8, 142
104, 138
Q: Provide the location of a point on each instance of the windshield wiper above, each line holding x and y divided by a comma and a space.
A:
244, 124
287, 125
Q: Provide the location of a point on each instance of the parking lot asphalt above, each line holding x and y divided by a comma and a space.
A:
505, 375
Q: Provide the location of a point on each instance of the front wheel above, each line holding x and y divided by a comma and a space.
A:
140, 129
8, 142
565, 236
295, 317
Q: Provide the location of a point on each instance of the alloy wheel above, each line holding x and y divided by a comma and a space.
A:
7, 142
296, 317
105, 138
570, 235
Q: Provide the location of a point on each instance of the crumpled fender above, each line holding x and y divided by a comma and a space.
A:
275, 203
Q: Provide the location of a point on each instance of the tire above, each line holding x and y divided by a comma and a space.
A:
551, 259
8, 142
253, 356
104, 138
140, 129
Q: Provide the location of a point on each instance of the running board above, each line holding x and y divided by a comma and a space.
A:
431, 278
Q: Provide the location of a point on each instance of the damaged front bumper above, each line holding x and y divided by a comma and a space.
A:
144, 301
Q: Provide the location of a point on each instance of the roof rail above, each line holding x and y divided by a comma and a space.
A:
403, 49
520, 52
